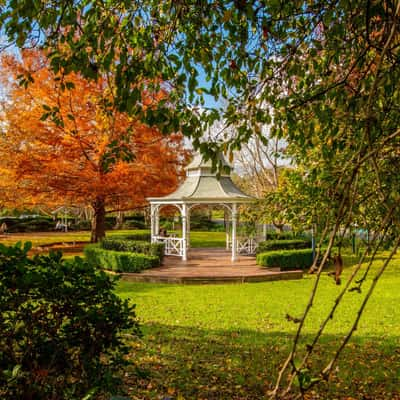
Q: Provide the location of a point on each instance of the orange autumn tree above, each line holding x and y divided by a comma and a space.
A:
71, 147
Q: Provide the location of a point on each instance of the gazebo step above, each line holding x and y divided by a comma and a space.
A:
212, 279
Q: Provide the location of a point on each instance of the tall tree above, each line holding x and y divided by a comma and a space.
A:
82, 152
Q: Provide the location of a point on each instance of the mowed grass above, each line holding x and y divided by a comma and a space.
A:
227, 341
43, 238
197, 239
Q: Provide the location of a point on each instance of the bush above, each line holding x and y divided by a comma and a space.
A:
269, 245
135, 217
60, 327
82, 225
31, 224
133, 225
217, 228
274, 235
139, 236
286, 260
200, 222
119, 261
134, 246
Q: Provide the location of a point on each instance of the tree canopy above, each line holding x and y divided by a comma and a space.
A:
85, 153
336, 60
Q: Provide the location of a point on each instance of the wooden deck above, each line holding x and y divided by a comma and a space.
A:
210, 266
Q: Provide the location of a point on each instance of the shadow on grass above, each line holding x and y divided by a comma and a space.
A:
190, 363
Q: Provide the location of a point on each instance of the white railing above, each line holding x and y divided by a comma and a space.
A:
244, 245
173, 245
247, 246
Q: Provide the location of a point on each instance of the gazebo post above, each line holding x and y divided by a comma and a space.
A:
226, 223
188, 228
234, 241
157, 221
184, 232
152, 222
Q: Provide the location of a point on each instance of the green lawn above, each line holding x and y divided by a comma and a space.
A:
207, 239
226, 341
197, 239
42, 238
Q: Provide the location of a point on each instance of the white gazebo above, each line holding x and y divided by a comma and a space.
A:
202, 186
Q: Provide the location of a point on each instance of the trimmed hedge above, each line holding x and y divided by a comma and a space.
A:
199, 222
287, 235
134, 246
119, 261
36, 224
133, 225
294, 244
286, 260
138, 236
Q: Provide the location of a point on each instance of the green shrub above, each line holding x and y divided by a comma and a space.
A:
286, 235
139, 236
133, 225
286, 259
36, 224
134, 246
82, 225
60, 327
201, 222
270, 245
135, 218
274, 235
119, 261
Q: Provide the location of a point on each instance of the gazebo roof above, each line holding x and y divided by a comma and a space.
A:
202, 185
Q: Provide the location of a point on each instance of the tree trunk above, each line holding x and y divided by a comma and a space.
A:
119, 220
278, 226
147, 216
99, 219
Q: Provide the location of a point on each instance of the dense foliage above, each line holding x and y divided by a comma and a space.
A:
288, 235
119, 261
134, 246
145, 236
286, 259
202, 222
30, 224
64, 143
60, 327
282, 245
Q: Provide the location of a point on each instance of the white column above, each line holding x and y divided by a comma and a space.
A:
184, 232
226, 222
152, 222
188, 228
157, 221
234, 241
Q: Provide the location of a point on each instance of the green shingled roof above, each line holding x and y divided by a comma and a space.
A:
202, 184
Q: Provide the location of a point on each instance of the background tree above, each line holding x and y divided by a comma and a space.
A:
260, 161
81, 152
